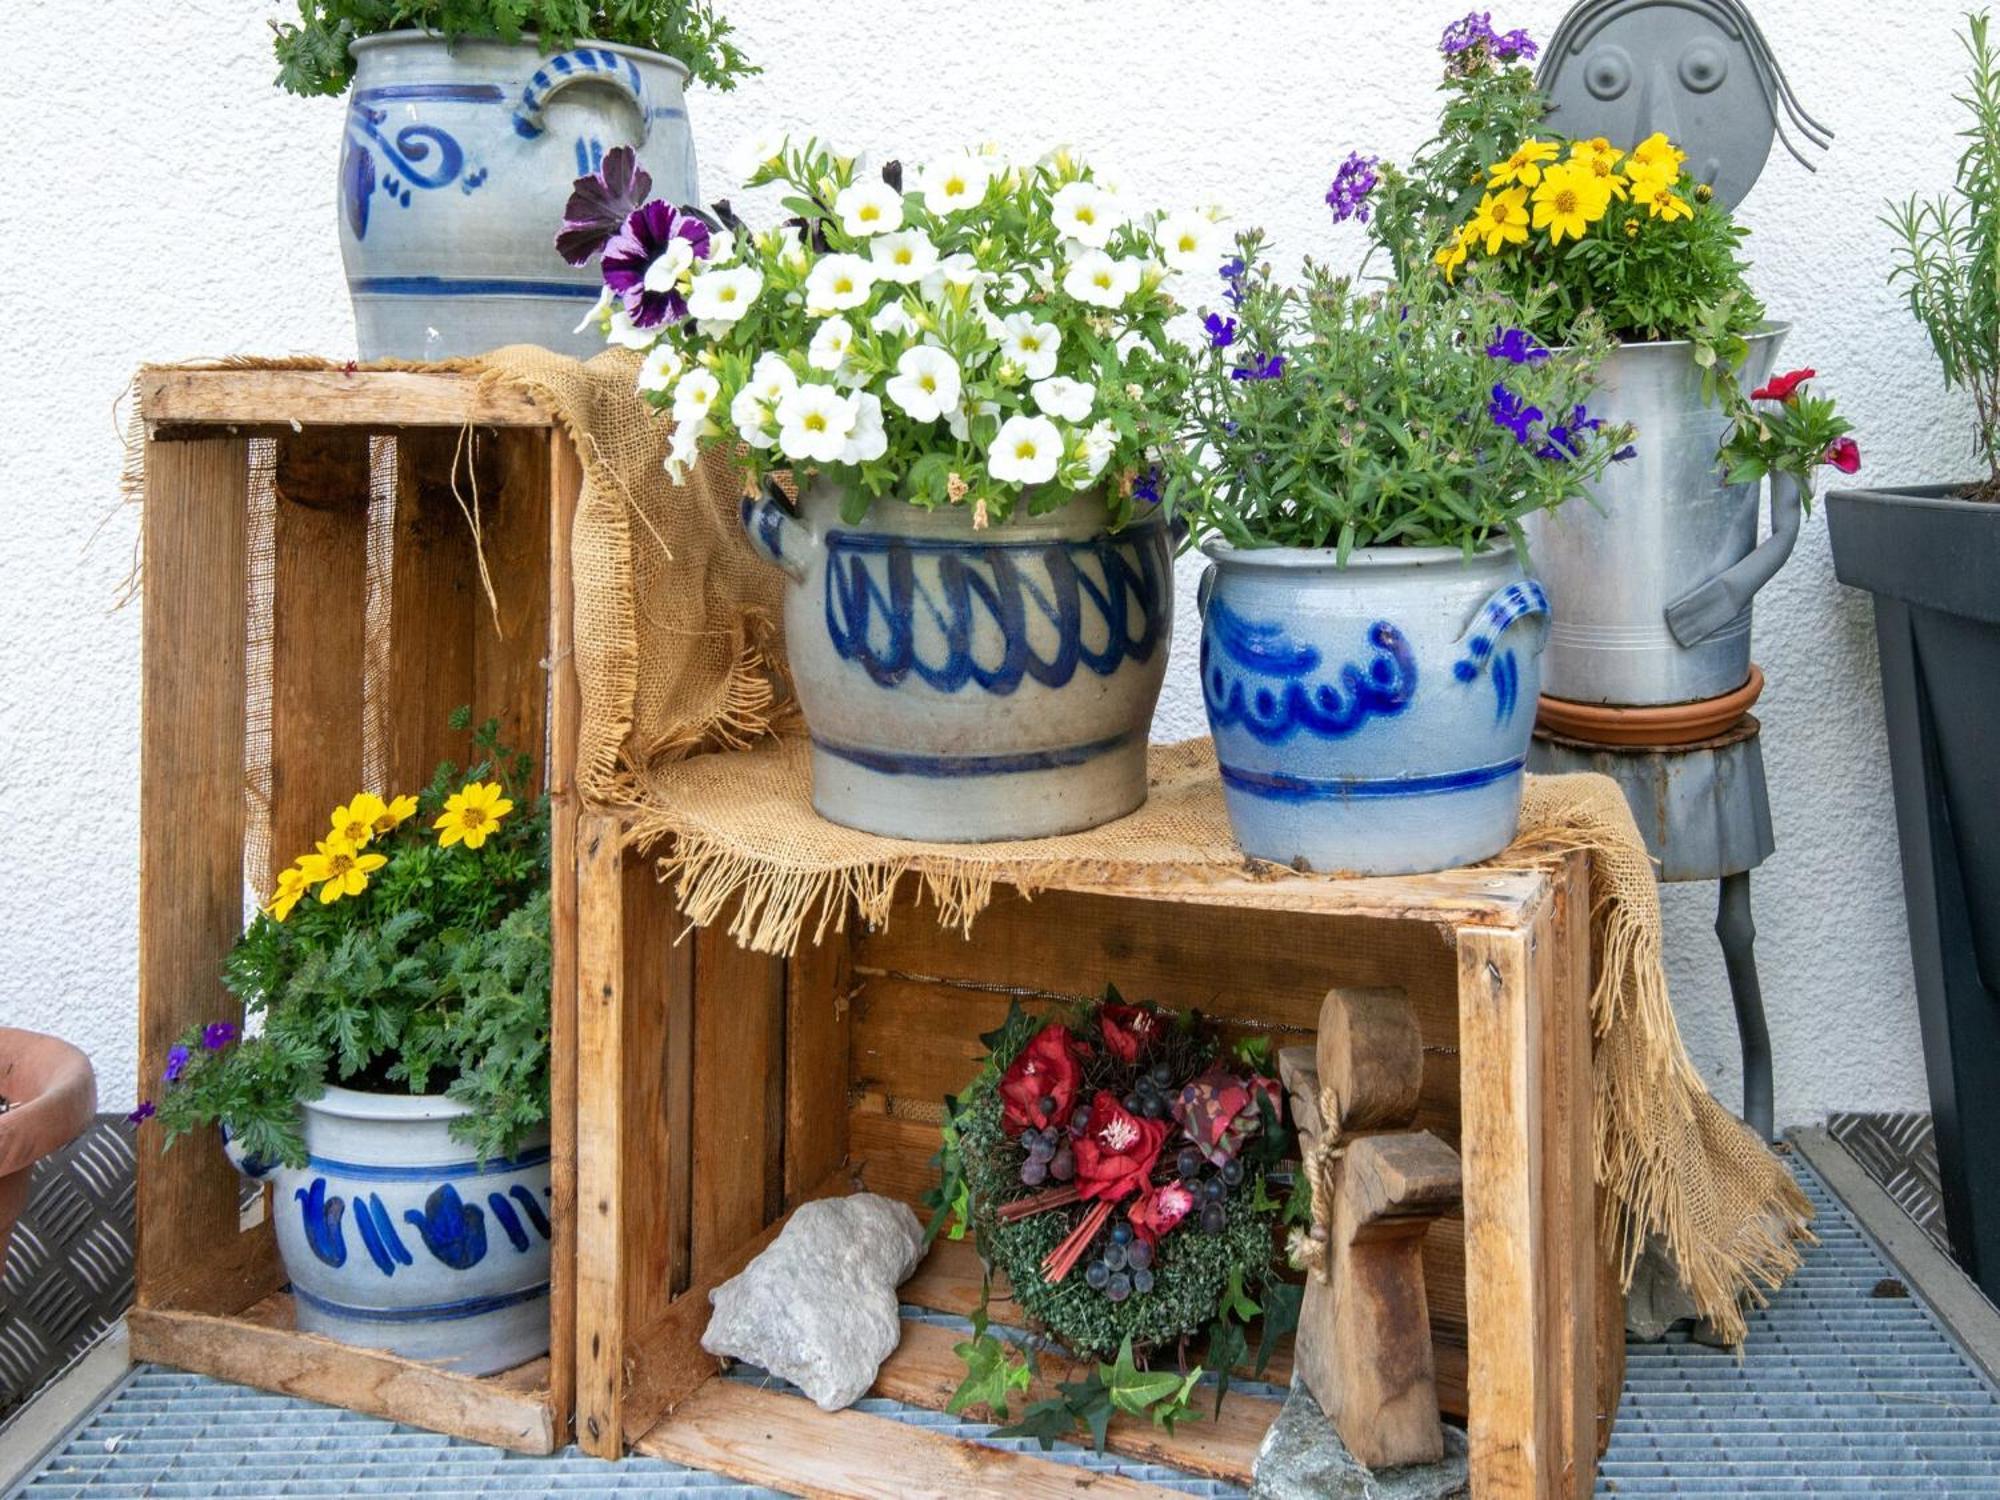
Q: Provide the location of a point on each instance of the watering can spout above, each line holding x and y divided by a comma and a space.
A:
1711, 606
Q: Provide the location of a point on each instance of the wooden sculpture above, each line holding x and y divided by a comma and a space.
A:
1364, 1339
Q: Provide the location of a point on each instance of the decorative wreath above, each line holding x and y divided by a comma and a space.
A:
1126, 1170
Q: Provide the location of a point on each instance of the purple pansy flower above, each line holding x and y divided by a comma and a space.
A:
1232, 273
1221, 331
1348, 197
218, 1034
143, 1113
1260, 367
1511, 412
177, 1061
599, 205
1516, 347
644, 261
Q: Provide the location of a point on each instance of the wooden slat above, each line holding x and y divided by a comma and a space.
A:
191, 771
317, 627
924, 1371
1449, 898
433, 592
739, 1076
818, 985
510, 632
264, 1351
339, 398
764, 1437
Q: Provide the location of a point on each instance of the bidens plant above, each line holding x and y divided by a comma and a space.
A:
408, 952
981, 334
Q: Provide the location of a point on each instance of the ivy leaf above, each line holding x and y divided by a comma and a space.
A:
1047, 1422
1236, 1302
994, 1038
1179, 1407
1227, 1348
1282, 1301
995, 1370
1261, 1201
1131, 1389
1090, 1403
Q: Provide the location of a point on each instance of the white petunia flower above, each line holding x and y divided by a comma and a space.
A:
830, 343
1096, 443
662, 367
763, 148
682, 450
786, 247
926, 383
837, 283
1030, 344
1098, 279
772, 378
721, 247
1025, 451
1187, 241
1060, 396
814, 422
628, 335
959, 270
894, 319
956, 184
903, 257
694, 396
750, 415
666, 269
1084, 211
959, 420
867, 208
868, 441
721, 297
595, 317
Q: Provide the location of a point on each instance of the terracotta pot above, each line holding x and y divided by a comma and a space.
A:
52, 1094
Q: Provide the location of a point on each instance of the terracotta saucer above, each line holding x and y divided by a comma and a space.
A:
1666, 724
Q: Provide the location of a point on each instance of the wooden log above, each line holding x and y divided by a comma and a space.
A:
1298, 1071
373, 399
1371, 1058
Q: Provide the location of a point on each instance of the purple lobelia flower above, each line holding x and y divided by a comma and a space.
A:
643, 262
599, 205
1146, 488
1348, 197
1232, 274
143, 1113
1260, 367
218, 1034
1511, 412
1517, 347
177, 1061
1565, 439
1221, 331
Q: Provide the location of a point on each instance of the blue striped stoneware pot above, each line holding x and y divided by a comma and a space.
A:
1372, 719
395, 1236
455, 166
964, 685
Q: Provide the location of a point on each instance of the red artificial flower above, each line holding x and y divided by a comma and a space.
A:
1783, 387
1040, 1087
1219, 1111
1844, 454
1157, 1212
1127, 1029
1117, 1151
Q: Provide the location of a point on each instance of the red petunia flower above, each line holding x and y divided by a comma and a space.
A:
1040, 1087
1844, 454
1157, 1212
1127, 1029
1116, 1153
1783, 387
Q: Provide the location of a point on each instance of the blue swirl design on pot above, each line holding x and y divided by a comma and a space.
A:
877, 595
378, 1233
1516, 602
453, 1230
1255, 675
321, 1216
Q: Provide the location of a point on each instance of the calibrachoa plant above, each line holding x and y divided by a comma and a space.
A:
408, 953
1128, 1172
974, 333
1325, 415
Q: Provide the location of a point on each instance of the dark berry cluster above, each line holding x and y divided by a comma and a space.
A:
1151, 1097
1049, 1157
1209, 1188
1124, 1266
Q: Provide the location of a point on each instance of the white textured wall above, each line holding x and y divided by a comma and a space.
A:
164, 201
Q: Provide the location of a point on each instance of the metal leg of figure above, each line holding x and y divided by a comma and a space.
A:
1739, 934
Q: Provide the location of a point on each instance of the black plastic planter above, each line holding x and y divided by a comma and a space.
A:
1933, 565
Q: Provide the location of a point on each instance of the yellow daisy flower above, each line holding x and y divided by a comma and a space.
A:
339, 868
471, 813
1661, 201
392, 816
1657, 154
1568, 202
1452, 256
355, 820
1524, 166
1600, 159
1501, 219
291, 887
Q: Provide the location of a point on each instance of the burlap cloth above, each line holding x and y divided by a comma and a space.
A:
688, 728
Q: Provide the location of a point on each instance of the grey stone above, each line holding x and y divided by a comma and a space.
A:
818, 1307
1657, 1303
1303, 1458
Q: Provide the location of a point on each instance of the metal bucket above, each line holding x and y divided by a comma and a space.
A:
1653, 530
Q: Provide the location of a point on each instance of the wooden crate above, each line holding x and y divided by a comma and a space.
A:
717, 1090
281, 507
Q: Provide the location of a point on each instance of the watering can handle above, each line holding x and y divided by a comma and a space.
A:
579, 65
776, 533
1712, 606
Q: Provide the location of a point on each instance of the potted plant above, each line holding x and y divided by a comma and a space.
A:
396, 1094
466, 120
48, 1093
965, 368
1651, 582
1359, 468
1930, 555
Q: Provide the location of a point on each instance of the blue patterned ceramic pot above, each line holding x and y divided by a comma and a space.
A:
456, 164
395, 1236
964, 685
1372, 719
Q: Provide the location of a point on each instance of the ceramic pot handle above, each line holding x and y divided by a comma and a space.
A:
1204, 590
1504, 608
251, 1167
776, 533
1712, 606
566, 70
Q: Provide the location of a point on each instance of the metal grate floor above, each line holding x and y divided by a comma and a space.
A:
1845, 1389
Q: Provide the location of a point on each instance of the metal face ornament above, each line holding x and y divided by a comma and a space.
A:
1700, 71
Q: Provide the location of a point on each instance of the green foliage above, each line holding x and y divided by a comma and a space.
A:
1377, 432
995, 1371
1948, 261
313, 57
1121, 1386
434, 978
